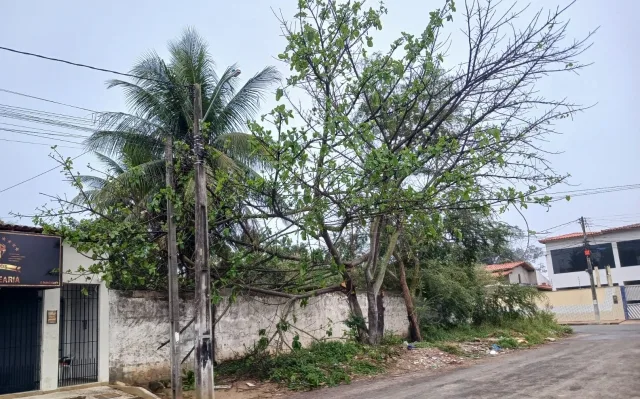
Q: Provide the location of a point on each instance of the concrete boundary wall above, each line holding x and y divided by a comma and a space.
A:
576, 305
139, 324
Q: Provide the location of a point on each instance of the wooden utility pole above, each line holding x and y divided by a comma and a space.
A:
172, 266
587, 253
204, 342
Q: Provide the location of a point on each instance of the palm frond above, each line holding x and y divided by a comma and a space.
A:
114, 142
112, 166
95, 182
245, 104
191, 61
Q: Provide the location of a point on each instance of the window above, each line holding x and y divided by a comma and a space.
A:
629, 252
570, 260
519, 279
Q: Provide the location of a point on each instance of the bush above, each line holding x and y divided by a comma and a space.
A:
508, 343
322, 364
534, 329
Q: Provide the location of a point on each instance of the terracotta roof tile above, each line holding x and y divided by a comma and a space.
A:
503, 267
15, 227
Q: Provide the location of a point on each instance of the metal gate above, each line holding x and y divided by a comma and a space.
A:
78, 360
20, 338
631, 300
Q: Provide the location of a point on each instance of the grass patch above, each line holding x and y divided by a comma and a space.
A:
450, 348
322, 364
532, 329
508, 343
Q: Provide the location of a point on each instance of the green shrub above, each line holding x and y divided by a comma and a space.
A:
508, 343
450, 348
322, 364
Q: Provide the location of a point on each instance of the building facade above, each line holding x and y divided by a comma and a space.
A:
618, 248
54, 320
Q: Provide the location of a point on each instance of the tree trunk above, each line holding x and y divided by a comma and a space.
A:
355, 309
375, 316
414, 325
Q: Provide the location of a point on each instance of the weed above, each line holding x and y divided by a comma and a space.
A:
453, 349
508, 343
534, 329
322, 364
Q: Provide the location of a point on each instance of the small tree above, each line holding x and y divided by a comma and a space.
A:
388, 134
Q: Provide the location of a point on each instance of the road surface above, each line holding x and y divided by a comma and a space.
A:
598, 362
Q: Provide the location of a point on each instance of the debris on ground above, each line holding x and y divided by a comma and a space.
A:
238, 389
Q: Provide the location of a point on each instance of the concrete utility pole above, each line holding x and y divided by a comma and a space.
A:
204, 343
587, 253
172, 266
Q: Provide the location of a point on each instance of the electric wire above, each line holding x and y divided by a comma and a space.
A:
44, 99
40, 174
77, 64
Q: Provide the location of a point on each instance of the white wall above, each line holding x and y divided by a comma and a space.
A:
72, 261
139, 323
581, 279
526, 276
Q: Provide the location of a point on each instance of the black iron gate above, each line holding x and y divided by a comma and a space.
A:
78, 360
20, 339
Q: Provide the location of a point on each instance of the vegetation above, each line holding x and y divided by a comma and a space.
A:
322, 364
391, 176
534, 330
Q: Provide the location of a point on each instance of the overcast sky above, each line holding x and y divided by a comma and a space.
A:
600, 146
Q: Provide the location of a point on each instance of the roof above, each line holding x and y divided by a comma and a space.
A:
544, 287
16, 227
506, 268
634, 226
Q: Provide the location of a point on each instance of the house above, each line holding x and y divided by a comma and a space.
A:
54, 326
618, 248
520, 272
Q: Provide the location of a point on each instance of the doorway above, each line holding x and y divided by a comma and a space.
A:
20, 339
78, 357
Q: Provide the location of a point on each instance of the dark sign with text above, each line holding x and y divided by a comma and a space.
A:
29, 260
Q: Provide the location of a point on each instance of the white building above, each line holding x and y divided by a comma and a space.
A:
617, 247
54, 321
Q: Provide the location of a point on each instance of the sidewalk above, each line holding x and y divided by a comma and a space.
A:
99, 392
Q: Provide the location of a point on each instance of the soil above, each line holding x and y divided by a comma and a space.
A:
407, 361
240, 390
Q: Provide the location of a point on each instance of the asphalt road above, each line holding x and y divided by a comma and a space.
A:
598, 362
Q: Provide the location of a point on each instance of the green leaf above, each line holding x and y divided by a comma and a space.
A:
279, 94
568, 198
369, 41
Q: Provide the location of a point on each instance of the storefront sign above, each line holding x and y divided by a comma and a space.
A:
52, 316
29, 260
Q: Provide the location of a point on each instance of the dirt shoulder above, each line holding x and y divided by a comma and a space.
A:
429, 360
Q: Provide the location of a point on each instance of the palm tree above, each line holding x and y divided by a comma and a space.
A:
132, 179
161, 108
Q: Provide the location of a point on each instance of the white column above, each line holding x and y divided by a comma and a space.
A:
103, 333
618, 265
50, 340
549, 267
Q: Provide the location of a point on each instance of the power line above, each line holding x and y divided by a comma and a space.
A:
41, 135
555, 227
42, 130
598, 189
34, 143
44, 57
38, 175
44, 99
